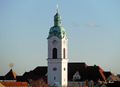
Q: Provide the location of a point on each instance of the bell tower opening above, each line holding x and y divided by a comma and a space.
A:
54, 53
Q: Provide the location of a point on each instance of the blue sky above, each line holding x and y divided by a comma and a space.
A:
92, 26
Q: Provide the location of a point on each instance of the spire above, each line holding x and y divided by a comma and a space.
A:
57, 19
57, 29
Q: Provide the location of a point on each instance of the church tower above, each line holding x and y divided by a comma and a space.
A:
57, 54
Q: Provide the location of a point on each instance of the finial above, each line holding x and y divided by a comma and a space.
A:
57, 8
57, 19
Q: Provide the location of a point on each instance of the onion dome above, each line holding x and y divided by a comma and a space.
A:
57, 30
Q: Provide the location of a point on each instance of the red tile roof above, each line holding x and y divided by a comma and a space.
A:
1, 85
14, 84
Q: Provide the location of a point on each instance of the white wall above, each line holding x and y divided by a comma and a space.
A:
60, 63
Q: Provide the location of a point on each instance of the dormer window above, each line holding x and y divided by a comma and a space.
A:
76, 76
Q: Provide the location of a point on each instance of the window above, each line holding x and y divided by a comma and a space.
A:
64, 69
54, 69
54, 78
54, 53
64, 53
76, 76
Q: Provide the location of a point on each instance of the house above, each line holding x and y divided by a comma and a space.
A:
10, 80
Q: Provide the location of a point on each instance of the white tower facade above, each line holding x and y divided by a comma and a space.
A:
57, 54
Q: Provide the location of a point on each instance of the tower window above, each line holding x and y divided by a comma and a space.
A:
64, 53
64, 69
54, 69
54, 53
54, 78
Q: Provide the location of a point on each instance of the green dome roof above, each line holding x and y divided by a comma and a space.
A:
57, 29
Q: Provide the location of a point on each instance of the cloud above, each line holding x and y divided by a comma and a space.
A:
89, 25
92, 25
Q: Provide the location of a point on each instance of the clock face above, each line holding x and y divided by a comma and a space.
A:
54, 42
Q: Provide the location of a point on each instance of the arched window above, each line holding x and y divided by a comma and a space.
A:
64, 53
54, 53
